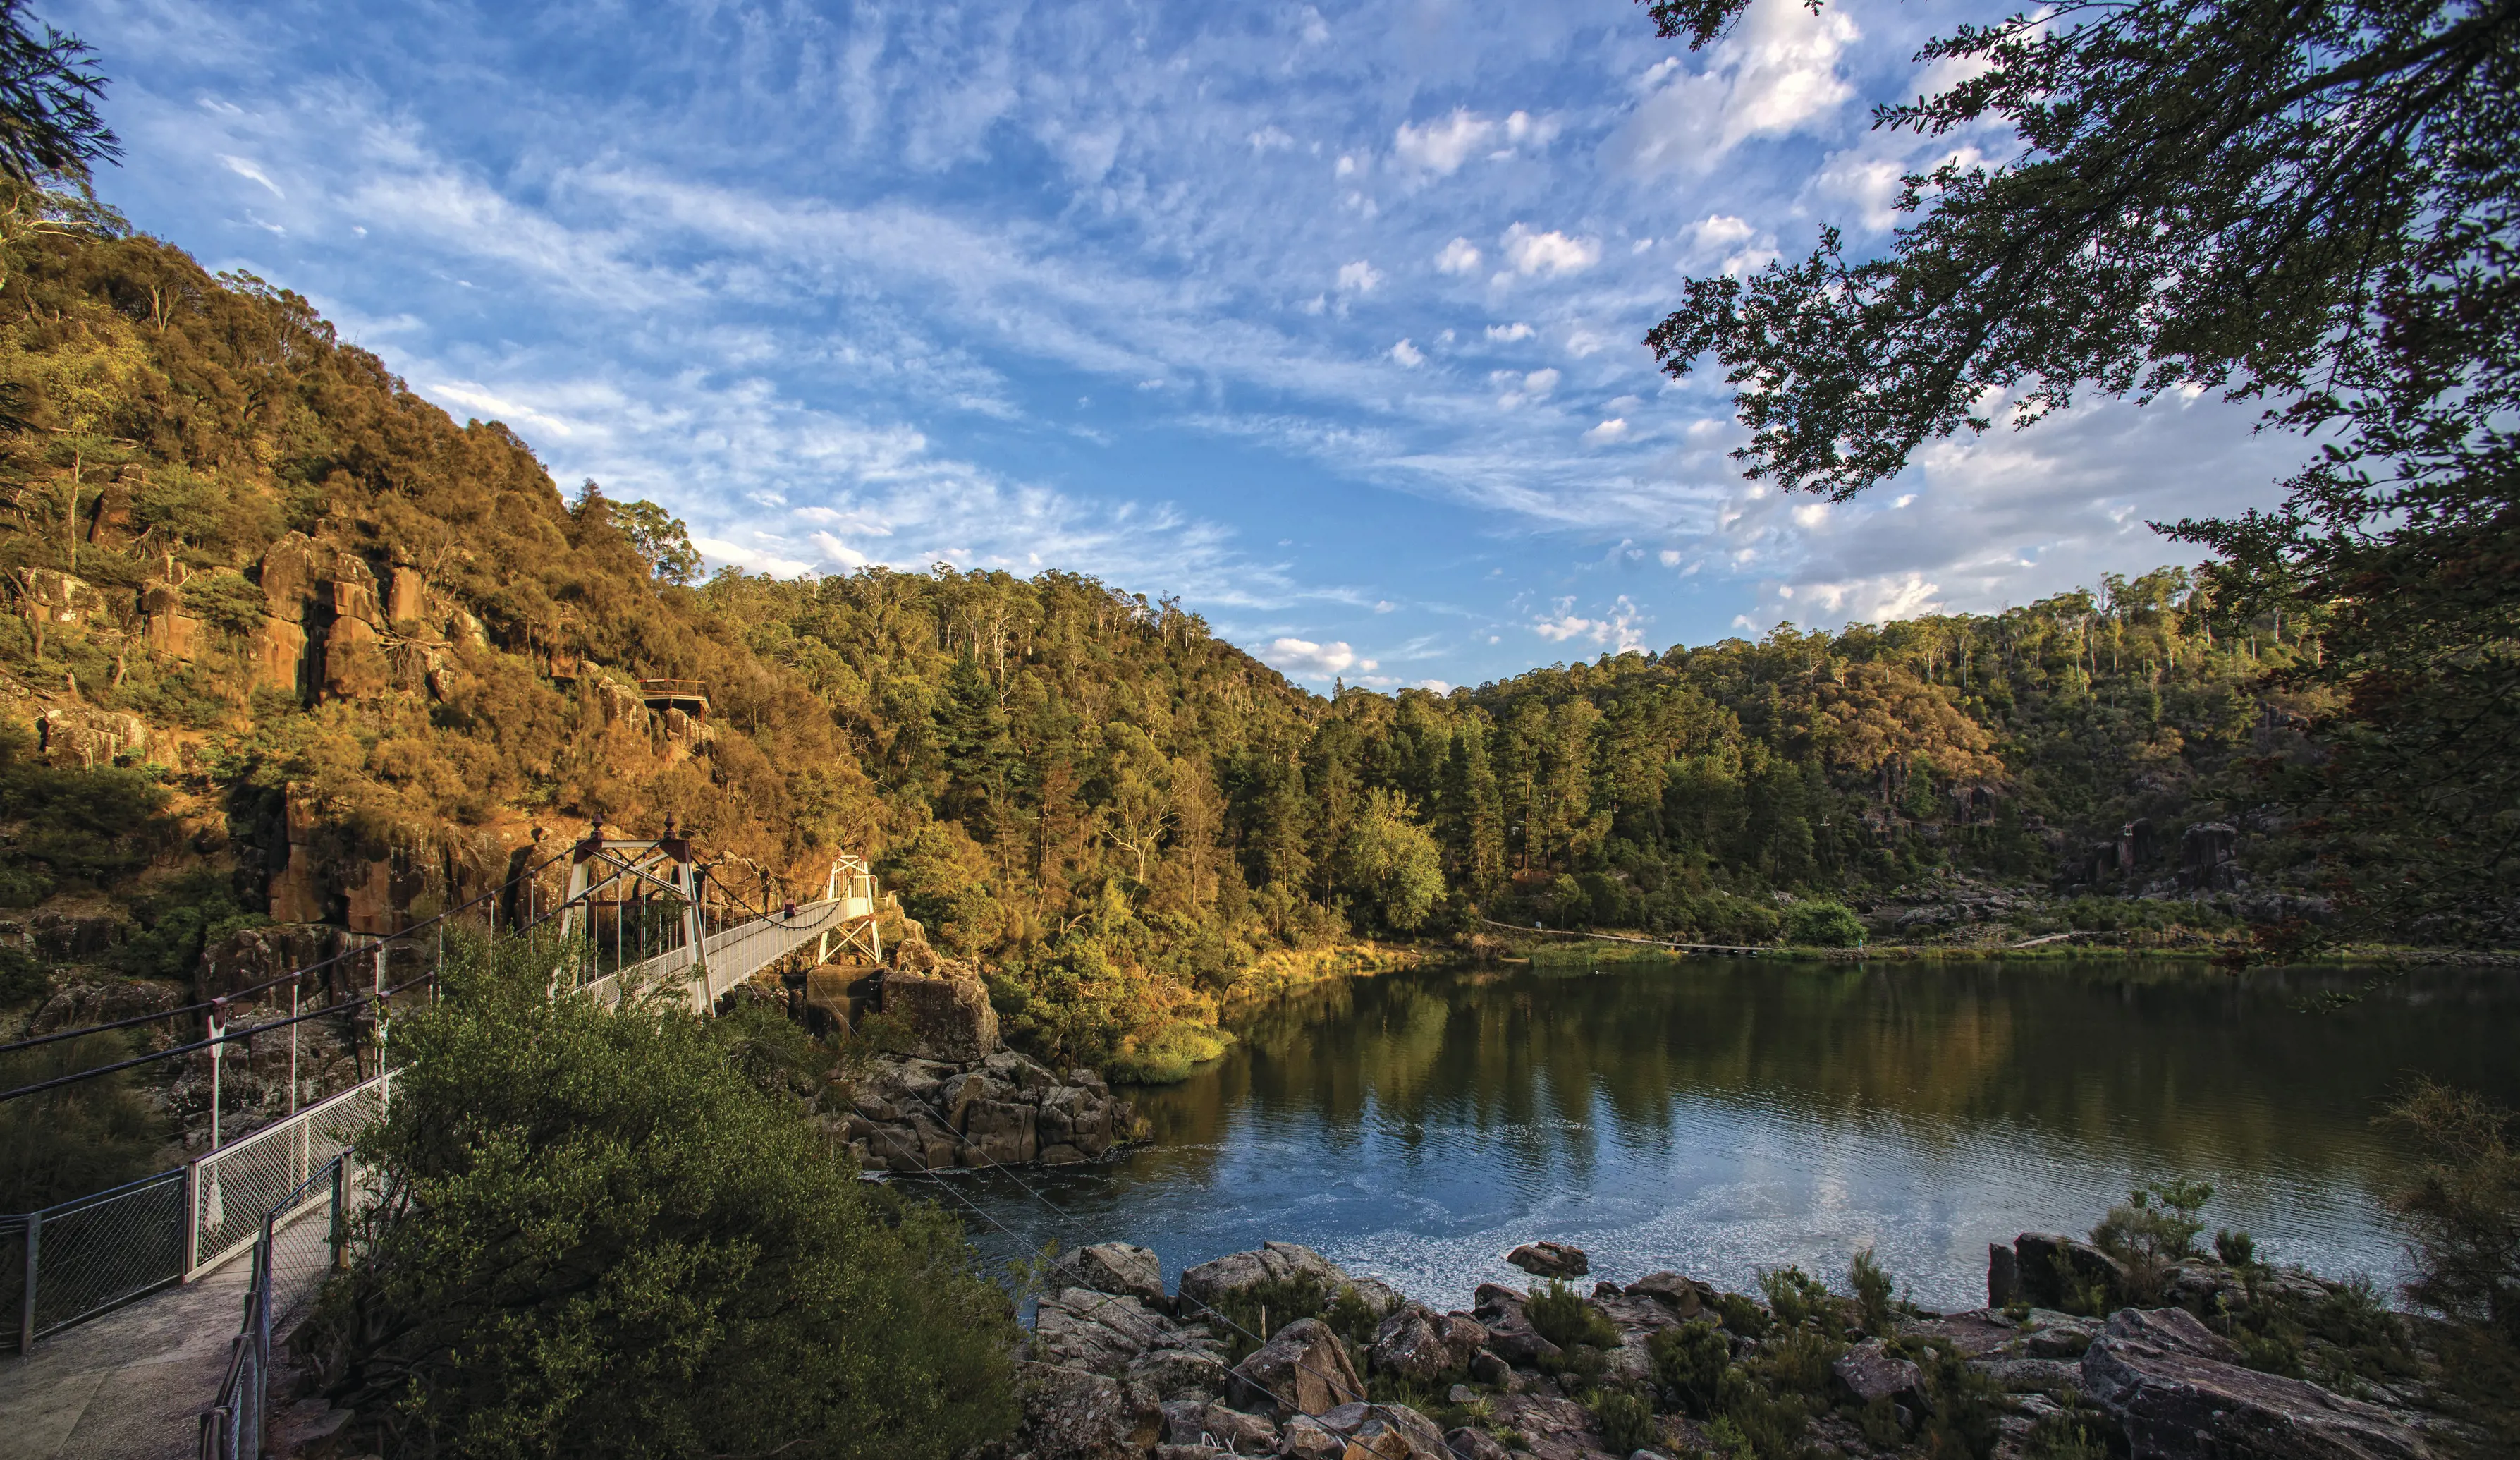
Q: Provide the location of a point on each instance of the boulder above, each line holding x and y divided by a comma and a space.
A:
1421, 1344
1302, 1370
1097, 1331
1180, 1373
997, 1133
1683, 1296
2047, 1334
1116, 1267
2168, 1383
1551, 1429
1070, 1414
1196, 1422
2049, 1266
1868, 1372
2025, 1376
2003, 1276
1396, 1431
1550, 1259
1512, 1338
949, 1019
1467, 1443
1307, 1438
1268, 1264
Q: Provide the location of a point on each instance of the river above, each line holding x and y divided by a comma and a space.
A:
1721, 1116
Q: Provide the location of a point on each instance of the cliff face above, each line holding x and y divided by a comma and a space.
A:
347, 659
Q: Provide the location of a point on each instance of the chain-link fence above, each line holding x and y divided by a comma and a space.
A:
236, 1186
81, 1257
293, 1245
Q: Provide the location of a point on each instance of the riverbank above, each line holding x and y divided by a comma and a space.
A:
1278, 1351
2077, 946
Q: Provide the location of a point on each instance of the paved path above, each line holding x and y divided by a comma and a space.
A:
132, 1384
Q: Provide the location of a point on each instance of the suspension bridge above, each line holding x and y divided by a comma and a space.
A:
641, 920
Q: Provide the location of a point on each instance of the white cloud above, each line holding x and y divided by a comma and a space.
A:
247, 170
1523, 128
1305, 659
1621, 629
1613, 430
1409, 355
1359, 277
1509, 333
1776, 73
1717, 232
1442, 147
1459, 256
1521, 388
1271, 138
1551, 252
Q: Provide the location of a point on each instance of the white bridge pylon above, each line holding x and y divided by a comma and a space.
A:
626, 880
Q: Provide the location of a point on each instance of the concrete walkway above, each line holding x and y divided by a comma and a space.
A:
132, 1384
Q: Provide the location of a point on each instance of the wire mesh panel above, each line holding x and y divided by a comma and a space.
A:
109, 1248
235, 1187
13, 1278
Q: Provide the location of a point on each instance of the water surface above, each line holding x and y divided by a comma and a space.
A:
1722, 1116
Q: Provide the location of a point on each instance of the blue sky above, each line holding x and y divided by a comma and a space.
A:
1324, 317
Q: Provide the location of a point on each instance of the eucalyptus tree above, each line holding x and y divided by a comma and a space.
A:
2305, 203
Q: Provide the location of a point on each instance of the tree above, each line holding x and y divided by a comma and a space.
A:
2308, 204
617, 1233
48, 94
1395, 862
661, 538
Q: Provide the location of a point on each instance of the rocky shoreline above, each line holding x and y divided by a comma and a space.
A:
909, 1114
1122, 1368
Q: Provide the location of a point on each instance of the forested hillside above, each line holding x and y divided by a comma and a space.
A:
288, 643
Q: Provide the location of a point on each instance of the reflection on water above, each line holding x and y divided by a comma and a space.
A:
1718, 1116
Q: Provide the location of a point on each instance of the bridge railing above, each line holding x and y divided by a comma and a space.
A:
79, 1259
291, 1256
236, 1186
732, 955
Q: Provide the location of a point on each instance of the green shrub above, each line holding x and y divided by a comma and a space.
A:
23, 980
1799, 1360
1741, 1315
1771, 1423
598, 1233
1263, 1309
1689, 1363
2235, 1249
1352, 1317
1797, 1299
1823, 925
1565, 1317
2462, 1211
1871, 1285
2153, 1228
1627, 1422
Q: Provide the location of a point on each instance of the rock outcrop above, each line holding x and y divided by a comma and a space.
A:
1550, 1259
2176, 1390
918, 1115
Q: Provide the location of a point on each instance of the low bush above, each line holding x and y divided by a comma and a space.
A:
1627, 1422
1797, 1297
1565, 1317
1823, 925
616, 1233
1689, 1363
1871, 1286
